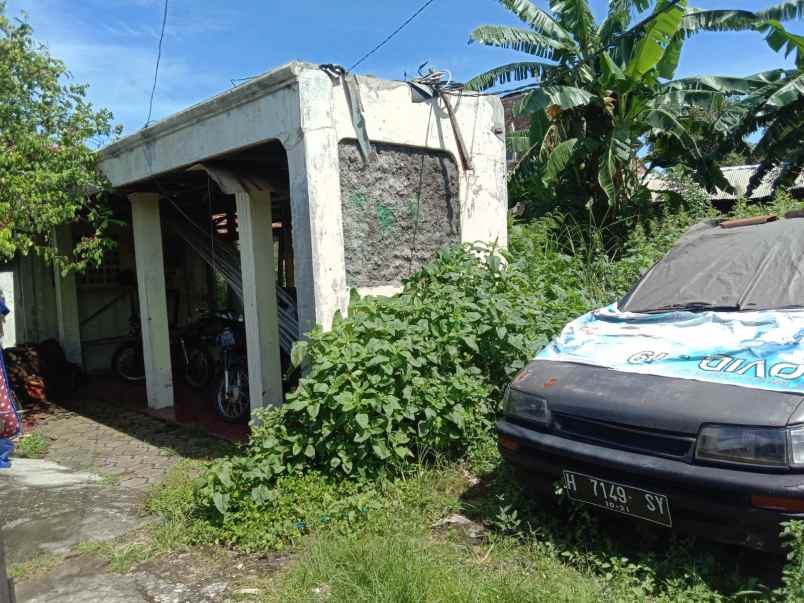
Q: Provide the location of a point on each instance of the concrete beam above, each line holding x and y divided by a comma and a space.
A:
67, 315
150, 263
259, 298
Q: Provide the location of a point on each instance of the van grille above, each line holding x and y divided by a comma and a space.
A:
628, 438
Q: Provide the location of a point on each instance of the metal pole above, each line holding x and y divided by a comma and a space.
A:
465, 158
6, 586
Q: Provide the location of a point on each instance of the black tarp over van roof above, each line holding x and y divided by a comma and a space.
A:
757, 267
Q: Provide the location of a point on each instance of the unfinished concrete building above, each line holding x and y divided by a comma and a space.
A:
292, 189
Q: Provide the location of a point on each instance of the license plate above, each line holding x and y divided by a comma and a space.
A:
627, 500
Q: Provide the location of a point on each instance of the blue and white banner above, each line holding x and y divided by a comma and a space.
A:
761, 349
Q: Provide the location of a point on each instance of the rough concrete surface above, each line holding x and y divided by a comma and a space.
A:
91, 488
180, 578
48, 508
399, 210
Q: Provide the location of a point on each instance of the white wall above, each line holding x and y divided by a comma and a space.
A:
7, 292
34, 300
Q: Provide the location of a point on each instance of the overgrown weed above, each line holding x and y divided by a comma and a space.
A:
347, 471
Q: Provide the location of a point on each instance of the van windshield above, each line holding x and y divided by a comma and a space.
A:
758, 267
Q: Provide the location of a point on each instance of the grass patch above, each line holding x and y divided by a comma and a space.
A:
109, 480
398, 567
32, 446
37, 566
120, 557
525, 551
173, 501
517, 547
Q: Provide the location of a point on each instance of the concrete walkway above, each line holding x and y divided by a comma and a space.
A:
91, 486
48, 508
122, 445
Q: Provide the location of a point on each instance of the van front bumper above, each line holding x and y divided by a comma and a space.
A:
712, 502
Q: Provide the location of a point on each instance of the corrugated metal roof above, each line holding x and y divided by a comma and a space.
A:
740, 175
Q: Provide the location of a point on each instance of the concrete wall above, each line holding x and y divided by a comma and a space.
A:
34, 301
392, 116
398, 211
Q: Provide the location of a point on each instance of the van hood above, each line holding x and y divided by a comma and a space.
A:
733, 367
754, 349
653, 402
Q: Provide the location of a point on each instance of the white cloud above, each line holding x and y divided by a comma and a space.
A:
121, 77
183, 22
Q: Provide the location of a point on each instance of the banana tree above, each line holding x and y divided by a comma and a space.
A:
776, 110
768, 104
600, 95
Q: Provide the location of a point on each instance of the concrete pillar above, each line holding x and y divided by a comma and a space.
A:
67, 316
315, 202
150, 263
259, 298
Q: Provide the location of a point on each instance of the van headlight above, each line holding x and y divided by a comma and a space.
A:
795, 443
762, 446
526, 407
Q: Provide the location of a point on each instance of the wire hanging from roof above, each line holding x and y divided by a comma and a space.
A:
158, 59
392, 34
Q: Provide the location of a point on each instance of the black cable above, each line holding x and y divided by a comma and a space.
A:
158, 59
239, 80
392, 34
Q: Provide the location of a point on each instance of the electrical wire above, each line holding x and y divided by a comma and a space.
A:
392, 34
239, 80
158, 59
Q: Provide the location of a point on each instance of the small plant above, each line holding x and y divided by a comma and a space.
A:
32, 445
121, 557
793, 572
36, 566
507, 520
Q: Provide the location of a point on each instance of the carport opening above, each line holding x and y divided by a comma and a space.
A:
202, 277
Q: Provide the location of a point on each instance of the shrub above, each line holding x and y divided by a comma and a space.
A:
32, 445
293, 505
402, 378
418, 375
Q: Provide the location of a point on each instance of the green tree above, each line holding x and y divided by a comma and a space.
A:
769, 105
604, 111
735, 158
775, 111
48, 174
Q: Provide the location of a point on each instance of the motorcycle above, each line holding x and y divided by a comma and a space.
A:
189, 350
232, 402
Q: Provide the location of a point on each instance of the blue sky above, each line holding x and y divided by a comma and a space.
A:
111, 44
